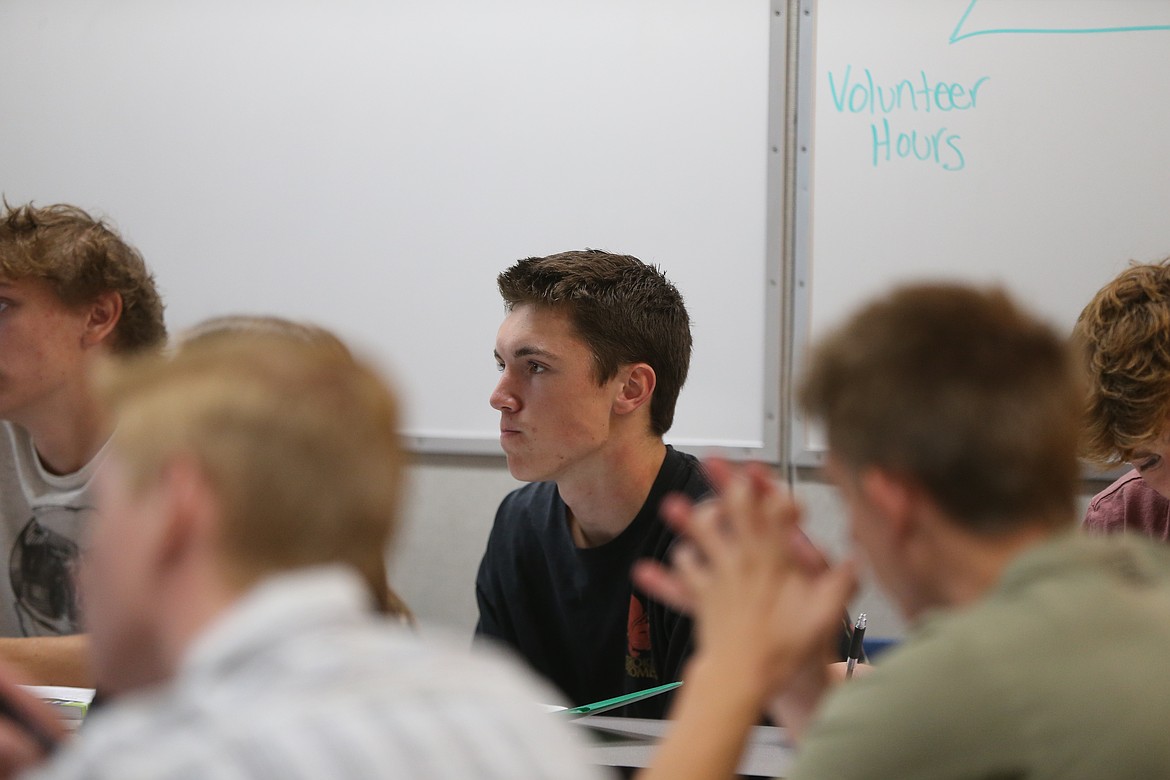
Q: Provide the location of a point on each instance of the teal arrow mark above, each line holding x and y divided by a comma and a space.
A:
961, 34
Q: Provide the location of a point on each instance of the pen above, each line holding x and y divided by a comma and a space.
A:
855, 645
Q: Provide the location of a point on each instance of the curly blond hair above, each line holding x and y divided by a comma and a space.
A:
1124, 339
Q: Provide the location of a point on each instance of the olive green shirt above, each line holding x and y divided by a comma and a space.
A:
1062, 671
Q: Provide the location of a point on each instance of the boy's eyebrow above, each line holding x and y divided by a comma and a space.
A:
527, 351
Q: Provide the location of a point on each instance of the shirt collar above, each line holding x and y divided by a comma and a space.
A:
279, 606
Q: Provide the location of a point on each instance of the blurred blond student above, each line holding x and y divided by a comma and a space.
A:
246, 325
231, 588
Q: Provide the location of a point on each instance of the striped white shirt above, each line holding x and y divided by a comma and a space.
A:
301, 680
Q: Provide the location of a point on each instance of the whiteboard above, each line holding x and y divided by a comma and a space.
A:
1013, 142
373, 164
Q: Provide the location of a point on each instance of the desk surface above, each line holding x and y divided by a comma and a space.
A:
631, 742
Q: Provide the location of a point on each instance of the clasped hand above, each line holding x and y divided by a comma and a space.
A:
767, 605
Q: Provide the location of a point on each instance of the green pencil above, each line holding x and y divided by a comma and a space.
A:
617, 701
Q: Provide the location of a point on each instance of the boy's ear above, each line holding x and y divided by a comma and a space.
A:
192, 511
636, 389
102, 316
894, 496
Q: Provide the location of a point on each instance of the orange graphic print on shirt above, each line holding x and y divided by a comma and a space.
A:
638, 660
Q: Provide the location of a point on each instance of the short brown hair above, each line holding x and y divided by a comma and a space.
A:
1123, 336
961, 391
299, 442
625, 311
82, 257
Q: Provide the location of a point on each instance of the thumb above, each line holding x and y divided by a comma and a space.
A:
835, 589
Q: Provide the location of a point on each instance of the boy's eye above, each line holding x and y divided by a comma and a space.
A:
536, 368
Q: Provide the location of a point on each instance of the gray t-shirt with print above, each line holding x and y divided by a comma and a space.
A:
42, 518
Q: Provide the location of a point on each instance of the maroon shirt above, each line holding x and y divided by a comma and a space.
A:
1129, 505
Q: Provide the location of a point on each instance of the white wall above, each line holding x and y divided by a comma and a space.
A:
450, 504
371, 165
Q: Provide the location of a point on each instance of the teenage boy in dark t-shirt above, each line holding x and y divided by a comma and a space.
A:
592, 353
571, 611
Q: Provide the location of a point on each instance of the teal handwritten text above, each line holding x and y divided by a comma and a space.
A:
861, 93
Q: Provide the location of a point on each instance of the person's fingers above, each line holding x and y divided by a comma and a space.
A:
691, 567
808, 556
676, 510
737, 506
844, 579
834, 590
777, 515
36, 712
705, 529
838, 669
753, 507
18, 750
760, 478
661, 584
719, 472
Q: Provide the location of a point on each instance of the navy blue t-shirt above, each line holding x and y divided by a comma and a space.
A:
573, 613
